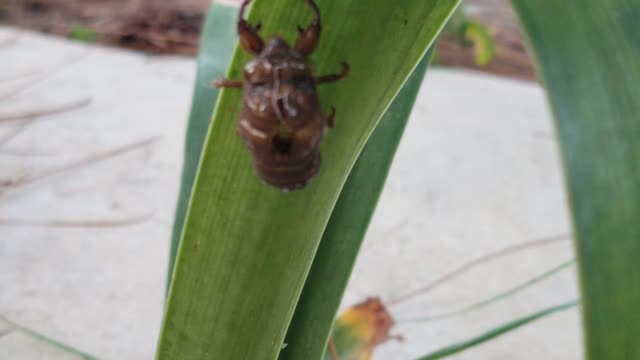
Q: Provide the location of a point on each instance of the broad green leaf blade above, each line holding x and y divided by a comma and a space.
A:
323, 290
498, 331
588, 54
217, 45
246, 248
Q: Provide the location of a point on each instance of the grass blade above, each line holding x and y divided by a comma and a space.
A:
588, 55
323, 290
38, 336
218, 43
498, 331
246, 248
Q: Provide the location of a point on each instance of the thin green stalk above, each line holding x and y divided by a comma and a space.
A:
498, 331
48, 340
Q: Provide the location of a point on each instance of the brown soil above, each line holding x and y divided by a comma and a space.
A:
173, 28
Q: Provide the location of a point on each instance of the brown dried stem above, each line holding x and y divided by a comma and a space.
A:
90, 223
44, 112
332, 349
18, 76
28, 179
24, 152
6, 331
8, 41
481, 260
46, 75
4, 140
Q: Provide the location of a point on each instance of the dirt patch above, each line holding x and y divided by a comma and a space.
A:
139, 25
174, 28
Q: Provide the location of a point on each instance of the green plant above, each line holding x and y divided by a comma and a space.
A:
591, 72
474, 34
236, 293
83, 34
497, 331
265, 241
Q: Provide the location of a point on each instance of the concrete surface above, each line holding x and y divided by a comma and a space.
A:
477, 171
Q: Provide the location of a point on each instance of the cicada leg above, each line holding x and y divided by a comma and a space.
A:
249, 38
308, 38
334, 77
331, 120
226, 83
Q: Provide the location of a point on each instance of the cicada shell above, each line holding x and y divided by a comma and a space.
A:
282, 122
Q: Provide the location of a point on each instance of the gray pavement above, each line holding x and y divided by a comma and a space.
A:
477, 170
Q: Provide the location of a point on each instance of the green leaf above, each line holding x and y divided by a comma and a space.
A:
347, 226
588, 55
484, 46
359, 330
246, 248
83, 34
218, 43
498, 331
472, 33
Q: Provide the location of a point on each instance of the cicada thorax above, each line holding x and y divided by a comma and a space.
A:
281, 121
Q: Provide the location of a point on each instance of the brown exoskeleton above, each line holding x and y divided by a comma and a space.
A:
281, 120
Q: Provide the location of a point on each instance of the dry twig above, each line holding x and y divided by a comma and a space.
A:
17, 152
43, 112
90, 223
8, 41
4, 140
18, 76
6, 331
28, 179
46, 75
481, 260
